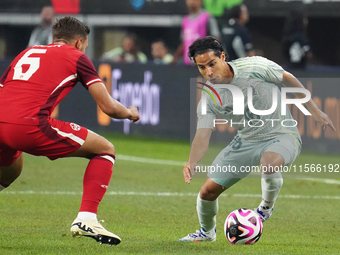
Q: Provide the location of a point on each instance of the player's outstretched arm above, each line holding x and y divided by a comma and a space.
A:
111, 106
290, 81
199, 147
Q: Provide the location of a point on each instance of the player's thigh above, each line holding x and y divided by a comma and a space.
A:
94, 145
235, 162
83, 142
286, 146
52, 138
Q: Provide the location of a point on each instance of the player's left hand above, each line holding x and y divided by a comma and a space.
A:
323, 119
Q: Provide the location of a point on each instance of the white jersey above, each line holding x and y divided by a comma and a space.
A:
261, 75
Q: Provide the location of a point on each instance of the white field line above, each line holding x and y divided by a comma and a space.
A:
159, 194
150, 160
182, 163
173, 194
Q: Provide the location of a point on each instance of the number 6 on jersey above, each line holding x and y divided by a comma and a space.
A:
33, 62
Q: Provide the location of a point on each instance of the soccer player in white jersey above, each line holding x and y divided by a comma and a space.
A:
264, 143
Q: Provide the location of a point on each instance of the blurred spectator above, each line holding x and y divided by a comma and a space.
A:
160, 53
235, 36
42, 34
197, 24
129, 51
219, 8
295, 44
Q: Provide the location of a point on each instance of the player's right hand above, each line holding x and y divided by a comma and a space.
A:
134, 113
187, 173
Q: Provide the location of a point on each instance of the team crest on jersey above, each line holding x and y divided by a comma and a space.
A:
75, 127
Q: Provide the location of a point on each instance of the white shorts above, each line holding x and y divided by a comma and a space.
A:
234, 161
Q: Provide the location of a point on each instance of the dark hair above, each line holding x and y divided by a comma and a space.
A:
132, 36
160, 40
68, 28
134, 39
203, 45
235, 12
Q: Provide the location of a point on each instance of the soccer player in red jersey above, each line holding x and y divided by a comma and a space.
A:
31, 87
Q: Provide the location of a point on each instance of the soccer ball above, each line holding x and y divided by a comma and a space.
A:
243, 226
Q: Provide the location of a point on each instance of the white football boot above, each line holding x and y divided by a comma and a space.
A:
95, 230
264, 214
200, 236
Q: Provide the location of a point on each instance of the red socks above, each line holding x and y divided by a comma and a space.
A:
96, 181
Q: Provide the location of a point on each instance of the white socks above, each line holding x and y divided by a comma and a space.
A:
2, 187
271, 185
206, 211
87, 216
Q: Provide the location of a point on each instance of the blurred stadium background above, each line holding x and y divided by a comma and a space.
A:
147, 203
152, 19
162, 92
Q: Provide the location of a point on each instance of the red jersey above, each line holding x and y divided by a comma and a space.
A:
39, 78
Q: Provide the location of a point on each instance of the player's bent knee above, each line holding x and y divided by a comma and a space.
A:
208, 194
271, 162
110, 149
96, 144
106, 146
266, 161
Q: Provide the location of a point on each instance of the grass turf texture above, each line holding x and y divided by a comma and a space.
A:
38, 223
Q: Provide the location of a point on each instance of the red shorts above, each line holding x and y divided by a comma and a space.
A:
54, 139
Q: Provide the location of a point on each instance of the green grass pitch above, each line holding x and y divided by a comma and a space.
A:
150, 207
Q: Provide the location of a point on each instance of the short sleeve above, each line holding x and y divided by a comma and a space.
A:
86, 72
205, 120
